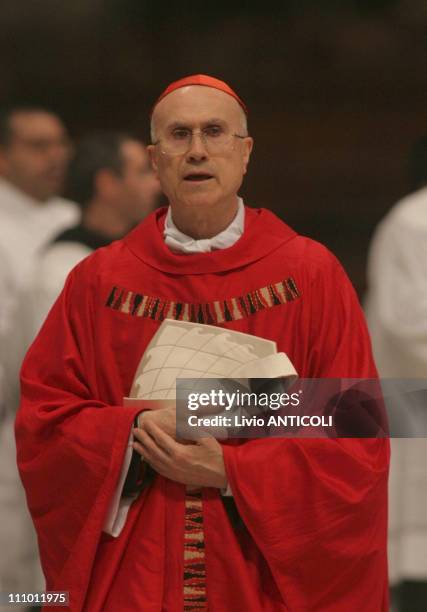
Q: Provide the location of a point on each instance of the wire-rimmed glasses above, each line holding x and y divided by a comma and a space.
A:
215, 139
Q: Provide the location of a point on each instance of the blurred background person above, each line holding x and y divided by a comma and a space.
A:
111, 178
18, 552
396, 309
34, 154
396, 303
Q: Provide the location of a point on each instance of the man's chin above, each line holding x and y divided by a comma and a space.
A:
198, 187
205, 199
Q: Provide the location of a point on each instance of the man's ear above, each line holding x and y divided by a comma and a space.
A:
152, 154
248, 144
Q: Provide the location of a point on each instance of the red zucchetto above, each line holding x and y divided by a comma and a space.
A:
200, 79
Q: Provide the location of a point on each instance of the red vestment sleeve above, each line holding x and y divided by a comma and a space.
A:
70, 445
317, 508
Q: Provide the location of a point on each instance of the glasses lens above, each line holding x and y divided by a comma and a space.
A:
175, 147
218, 142
215, 143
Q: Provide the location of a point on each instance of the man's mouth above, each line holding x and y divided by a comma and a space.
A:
197, 177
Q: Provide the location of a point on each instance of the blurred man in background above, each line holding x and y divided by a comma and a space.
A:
111, 178
34, 154
396, 309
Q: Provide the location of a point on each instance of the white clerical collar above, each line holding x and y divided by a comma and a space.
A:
181, 243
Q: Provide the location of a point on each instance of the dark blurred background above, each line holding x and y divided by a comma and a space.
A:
337, 90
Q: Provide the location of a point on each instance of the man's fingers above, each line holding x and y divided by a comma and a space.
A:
159, 450
166, 421
138, 447
149, 448
163, 440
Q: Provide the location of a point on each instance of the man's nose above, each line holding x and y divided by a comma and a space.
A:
197, 149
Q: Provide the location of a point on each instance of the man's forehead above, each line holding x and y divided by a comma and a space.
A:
196, 103
35, 122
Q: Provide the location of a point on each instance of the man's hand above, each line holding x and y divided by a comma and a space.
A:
165, 418
200, 464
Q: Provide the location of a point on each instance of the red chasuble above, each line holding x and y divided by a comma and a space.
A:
313, 536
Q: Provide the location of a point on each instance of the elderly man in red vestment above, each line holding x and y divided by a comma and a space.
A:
310, 533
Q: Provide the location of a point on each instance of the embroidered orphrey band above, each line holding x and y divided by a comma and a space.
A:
195, 596
211, 313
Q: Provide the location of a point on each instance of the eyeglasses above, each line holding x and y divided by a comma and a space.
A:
215, 139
